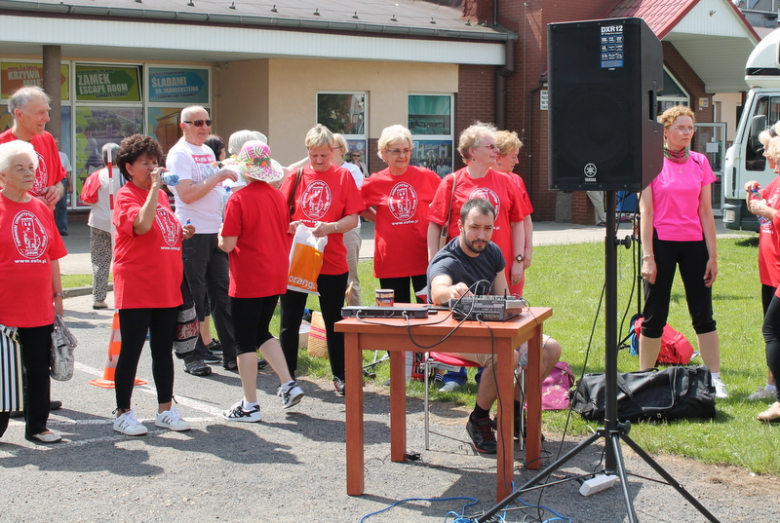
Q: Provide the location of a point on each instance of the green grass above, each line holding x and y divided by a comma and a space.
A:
569, 278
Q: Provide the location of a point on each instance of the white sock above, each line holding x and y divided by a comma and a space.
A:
715, 376
770, 388
249, 406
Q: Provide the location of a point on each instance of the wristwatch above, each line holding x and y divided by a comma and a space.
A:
519, 258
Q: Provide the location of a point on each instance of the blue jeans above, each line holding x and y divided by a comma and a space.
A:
61, 210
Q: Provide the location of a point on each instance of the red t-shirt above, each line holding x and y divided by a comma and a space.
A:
326, 197
259, 264
148, 267
523, 193
29, 241
499, 189
50, 170
402, 202
768, 249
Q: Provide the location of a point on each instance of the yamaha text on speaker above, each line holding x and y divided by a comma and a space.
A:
604, 75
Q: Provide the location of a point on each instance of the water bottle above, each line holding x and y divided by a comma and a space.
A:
170, 179
762, 220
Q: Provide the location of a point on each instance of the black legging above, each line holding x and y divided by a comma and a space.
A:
133, 325
331, 288
771, 331
400, 287
35, 348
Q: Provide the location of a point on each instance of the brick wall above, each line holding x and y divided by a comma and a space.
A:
689, 80
475, 100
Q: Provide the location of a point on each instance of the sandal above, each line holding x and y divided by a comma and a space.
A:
46, 437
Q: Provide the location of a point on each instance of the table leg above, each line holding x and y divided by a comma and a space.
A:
354, 414
505, 438
397, 406
533, 397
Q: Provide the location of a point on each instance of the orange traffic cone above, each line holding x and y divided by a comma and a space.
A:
114, 346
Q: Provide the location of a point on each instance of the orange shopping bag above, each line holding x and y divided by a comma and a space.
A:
305, 260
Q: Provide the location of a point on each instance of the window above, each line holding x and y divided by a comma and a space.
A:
672, 94
768, 110
345, 113
431, 123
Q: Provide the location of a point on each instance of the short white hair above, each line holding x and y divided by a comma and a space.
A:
9, 150
188, 111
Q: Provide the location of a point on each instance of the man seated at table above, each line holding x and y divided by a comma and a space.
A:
471, 264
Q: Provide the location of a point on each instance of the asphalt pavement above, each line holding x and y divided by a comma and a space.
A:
290, 467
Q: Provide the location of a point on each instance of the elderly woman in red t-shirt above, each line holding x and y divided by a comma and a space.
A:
148, 274
325, 198
398, 198
31, 290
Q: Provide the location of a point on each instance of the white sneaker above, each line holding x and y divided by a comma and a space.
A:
762, 394
291, 397
129, 425
237, 413
450, 386
720, 389
171, 419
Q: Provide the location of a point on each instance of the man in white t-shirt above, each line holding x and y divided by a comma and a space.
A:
352, 239
199, 197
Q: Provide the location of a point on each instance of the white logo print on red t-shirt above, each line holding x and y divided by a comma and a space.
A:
41, 176
402, 201
489, 195
169, 226
316, 199
29, 235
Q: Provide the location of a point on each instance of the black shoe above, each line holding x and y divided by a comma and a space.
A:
215, 347
197, 368
338, 384
261, 364
482, 437
212, 358
64, 233
230, 365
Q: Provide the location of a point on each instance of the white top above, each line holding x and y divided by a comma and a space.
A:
357, 174
196, 163
100, 215
65, 162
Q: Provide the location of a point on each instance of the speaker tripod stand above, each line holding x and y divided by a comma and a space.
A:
613, 432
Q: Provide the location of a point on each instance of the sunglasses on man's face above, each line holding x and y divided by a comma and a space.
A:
199, 123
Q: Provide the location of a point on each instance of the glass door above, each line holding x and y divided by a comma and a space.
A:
710, 140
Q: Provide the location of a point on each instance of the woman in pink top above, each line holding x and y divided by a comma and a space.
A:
678, 228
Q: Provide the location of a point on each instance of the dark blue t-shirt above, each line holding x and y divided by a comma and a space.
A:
462, 268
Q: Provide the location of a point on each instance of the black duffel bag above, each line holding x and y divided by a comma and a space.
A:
671, 393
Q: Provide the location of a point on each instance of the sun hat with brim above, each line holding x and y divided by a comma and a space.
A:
254, 161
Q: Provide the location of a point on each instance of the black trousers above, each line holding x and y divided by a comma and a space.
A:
133, 324
207, 269
692, 258
252, 316
35, 348
400, 287
331, 288
771, 331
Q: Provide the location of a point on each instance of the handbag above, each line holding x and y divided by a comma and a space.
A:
89, 192
187, 326
11, 386
306, 256
668, 394
63, 343
443, 236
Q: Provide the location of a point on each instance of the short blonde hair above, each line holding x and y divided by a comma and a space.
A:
773, 149
673, 113
319, 136
391, 135
507, 141
471, 137
14, 148
340, 141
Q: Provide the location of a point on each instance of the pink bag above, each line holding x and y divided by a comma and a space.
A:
556, 386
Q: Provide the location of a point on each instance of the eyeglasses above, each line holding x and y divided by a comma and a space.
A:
772, 131
199, 123
490, 146
682, 129
396, 152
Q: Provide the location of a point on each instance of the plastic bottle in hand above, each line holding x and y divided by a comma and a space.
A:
755, 196
170, 179
225, 197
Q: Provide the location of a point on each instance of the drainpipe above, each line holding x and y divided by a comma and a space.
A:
529, 143
501, 76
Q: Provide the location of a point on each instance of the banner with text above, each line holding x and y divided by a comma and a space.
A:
107, 83
14, 75
177, 85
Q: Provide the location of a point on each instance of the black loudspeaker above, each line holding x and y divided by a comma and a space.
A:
603, 79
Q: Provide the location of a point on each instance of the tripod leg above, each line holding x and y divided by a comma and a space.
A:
661, 472
621, 470
540, 476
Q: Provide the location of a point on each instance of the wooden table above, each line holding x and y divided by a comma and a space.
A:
471, 337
